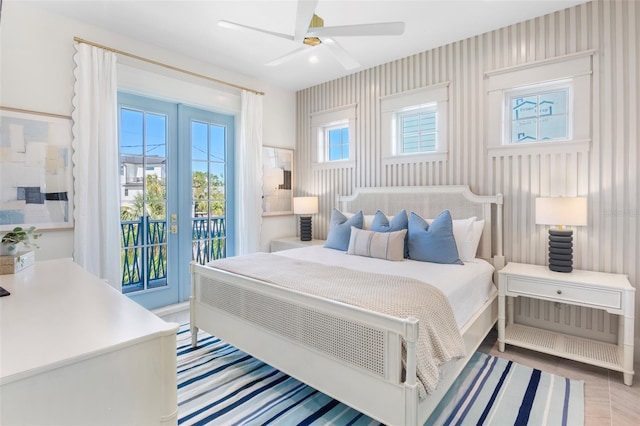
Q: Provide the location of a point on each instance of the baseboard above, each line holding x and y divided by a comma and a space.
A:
171, 309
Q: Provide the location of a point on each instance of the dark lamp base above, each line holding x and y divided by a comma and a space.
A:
305, 228
560, 250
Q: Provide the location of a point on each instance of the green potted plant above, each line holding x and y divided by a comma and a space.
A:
12, 239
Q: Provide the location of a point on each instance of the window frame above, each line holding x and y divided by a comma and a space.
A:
392, 107
574, 68
321, 123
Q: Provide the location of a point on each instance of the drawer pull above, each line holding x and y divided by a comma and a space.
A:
559, 291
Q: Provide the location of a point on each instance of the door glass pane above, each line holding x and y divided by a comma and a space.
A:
199, 141
131, 131
217, 143
143, 211
156, 132
208, 192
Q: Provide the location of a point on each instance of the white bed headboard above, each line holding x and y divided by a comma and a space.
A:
429, 201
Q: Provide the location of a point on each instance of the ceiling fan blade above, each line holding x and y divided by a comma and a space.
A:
380, 29
344, 57
236, 26
304, 13
287, 57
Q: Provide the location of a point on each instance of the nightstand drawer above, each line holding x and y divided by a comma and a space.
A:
595, 297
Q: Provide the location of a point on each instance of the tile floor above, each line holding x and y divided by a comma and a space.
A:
607, 400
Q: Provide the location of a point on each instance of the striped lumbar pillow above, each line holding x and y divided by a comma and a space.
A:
381, 245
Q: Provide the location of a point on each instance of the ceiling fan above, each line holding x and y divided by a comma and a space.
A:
310, 31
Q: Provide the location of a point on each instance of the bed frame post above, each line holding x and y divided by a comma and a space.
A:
412, 331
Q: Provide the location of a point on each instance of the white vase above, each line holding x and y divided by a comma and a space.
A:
8, 249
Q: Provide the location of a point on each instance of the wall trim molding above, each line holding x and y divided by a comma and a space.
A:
565, 147
533, 64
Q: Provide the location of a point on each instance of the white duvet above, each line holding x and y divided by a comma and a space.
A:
467, 286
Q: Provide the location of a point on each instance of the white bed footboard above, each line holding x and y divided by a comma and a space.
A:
346, 352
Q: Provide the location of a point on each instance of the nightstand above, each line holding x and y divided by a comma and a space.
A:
610, 292
292, 242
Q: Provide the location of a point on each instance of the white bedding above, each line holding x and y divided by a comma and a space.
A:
466, 286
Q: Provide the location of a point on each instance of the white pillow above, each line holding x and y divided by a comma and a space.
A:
381, 245
478, 227
467, 235
368, 219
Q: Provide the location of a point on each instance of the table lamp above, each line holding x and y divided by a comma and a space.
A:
305, 207
561, 211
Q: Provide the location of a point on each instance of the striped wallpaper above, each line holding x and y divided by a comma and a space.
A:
605, 171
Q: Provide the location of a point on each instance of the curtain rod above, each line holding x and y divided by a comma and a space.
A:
171, 67
29, 111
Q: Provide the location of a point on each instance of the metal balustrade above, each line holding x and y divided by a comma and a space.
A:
148, 262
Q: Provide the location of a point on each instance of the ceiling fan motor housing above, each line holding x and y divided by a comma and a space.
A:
316, 22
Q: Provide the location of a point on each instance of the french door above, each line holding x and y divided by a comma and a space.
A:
176, 175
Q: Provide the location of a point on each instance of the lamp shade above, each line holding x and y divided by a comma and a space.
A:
570, 211
305, 205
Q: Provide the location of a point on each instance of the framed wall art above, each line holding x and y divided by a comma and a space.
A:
277, 177
36, 180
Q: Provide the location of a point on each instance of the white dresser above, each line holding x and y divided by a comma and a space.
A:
75, 351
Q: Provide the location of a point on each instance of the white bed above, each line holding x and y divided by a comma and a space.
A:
467, 287
225, 304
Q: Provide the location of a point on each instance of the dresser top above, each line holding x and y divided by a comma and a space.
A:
58, 314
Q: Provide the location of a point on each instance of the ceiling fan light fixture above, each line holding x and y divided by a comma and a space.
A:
311, 41
316, 22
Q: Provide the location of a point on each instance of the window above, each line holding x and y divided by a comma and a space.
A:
417, 130
538, 113
333, 134
414, 124
540, 104
337, 141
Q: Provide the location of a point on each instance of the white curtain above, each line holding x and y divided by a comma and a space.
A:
95, 164
249, 175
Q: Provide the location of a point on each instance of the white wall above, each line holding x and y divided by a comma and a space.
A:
607, 172
36, 73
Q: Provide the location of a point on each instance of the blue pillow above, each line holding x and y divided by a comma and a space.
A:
433, 243
398, 223
340, 229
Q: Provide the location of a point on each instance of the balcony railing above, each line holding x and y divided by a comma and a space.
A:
146, 261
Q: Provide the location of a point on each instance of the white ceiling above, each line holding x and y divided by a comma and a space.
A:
190, 28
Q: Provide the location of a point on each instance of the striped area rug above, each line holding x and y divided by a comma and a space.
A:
219, 384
